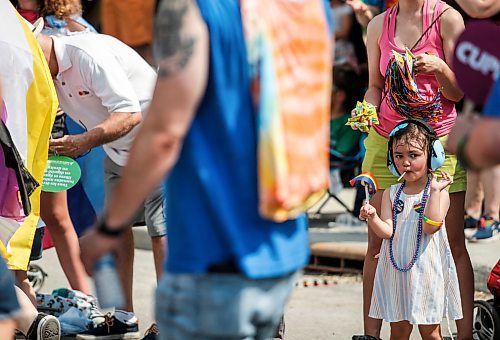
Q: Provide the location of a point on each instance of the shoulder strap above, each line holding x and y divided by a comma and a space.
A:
428, 28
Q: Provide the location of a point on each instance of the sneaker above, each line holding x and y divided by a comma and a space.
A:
111, 329
470, 222
364, 337
152, 333
488, 229
45, 327
470, 226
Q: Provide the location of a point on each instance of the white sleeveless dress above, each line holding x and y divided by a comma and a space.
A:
429, 291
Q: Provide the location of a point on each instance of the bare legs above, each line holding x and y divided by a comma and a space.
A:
477, 192
55, 214
125, 266
372, 326
159, 245
456, 237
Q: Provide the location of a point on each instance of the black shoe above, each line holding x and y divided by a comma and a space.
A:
364, 337
151, 333
45, 327
111, 329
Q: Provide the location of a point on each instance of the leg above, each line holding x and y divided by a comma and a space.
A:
54, 212
401, 330
24, 285
456, 237
491, 182
430, 332
474, 194
159, 244
124, 255
125, 266
32, 324
28, 313
154, 214
371, 326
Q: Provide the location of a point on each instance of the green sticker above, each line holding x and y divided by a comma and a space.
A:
61, 174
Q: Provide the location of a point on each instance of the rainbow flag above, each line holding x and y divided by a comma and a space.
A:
367, 179
30, 106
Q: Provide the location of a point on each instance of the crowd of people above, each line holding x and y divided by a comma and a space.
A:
216, 125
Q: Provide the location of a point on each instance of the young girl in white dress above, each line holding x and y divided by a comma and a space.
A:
416, 280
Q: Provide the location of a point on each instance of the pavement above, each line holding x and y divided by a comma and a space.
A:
327, 311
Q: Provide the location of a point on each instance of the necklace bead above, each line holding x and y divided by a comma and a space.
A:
419, 228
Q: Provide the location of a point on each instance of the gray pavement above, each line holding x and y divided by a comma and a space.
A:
324, 312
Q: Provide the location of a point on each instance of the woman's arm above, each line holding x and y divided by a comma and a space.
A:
375, 78
452, 25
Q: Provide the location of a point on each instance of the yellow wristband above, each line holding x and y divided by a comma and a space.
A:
432, 222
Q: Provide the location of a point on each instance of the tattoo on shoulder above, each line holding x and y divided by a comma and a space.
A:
174, 45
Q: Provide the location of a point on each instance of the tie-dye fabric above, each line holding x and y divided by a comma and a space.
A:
429, 291
291, 82
31, 103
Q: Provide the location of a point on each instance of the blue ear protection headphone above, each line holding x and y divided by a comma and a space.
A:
436, 154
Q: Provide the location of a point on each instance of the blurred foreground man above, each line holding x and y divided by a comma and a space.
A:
239, 120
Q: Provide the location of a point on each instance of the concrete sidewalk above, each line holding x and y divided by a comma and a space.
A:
322, 312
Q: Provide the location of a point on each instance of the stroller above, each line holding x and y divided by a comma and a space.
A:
487, 313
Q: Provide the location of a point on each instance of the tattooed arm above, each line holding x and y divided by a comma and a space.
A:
182, 56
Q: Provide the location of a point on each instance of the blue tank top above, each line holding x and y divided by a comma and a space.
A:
212, 203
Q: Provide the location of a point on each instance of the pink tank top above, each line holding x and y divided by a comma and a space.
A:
427, 83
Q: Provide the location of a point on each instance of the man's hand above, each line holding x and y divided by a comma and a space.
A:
462, 127
70, 145
93, 246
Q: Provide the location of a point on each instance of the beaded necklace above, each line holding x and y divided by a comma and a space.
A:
419, 230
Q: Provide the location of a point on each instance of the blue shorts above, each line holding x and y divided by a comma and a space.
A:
8, 300
220, 306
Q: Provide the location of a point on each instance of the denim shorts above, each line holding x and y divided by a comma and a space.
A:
220, 306
154, 206
8, 300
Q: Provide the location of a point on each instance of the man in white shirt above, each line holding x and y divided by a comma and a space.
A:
106, 87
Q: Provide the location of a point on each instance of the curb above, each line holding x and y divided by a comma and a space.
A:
141, 238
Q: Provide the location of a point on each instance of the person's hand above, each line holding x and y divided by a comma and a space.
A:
438, 186
428, 64
357, 6
367, 212
93, 246
69, 145
462, 127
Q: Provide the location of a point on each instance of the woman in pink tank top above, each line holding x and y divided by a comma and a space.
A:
429, 28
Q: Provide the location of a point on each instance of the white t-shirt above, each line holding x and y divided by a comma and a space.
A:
99, 75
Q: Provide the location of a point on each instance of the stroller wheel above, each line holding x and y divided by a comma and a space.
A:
486, 320
36, 276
